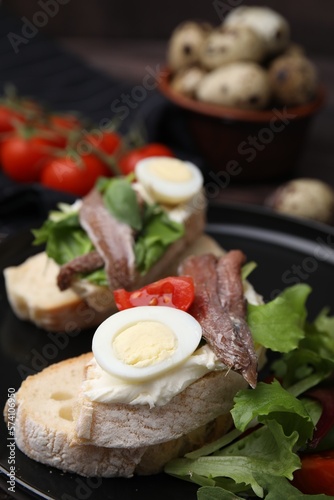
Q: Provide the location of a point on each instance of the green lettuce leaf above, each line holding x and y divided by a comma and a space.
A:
265, 459
265, 451
98, 277
158, 232
320, 335
280, 487
214, 493
63, 235
313, 361
279, 324
272, 401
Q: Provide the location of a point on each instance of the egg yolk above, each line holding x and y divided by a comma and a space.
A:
171, 170
145, 343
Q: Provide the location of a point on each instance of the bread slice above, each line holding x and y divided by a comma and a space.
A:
123, 425
45, 429
33, 293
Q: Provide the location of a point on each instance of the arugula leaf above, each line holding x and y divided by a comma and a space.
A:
279, 324
121, 200
272, 401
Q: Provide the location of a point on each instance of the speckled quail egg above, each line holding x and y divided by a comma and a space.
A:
230, 44
266, 22
304, 197
144, 342
184, 44
169, 180
294, 79
242, 85
187, 80
294, 49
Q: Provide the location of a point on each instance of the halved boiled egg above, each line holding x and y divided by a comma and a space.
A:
144, 342
169, 180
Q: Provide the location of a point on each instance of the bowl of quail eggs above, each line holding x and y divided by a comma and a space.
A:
247, 92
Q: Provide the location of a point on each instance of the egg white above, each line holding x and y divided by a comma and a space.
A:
186, 329
170, 192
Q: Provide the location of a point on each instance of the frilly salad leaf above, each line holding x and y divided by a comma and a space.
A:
313, 361
272, 402
158, 232
264, 459
265, 451
279, 488
279, 324
63, 235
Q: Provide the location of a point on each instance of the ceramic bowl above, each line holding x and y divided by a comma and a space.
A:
248, 145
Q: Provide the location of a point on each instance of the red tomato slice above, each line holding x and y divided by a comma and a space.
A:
316, 474
175, 291
128, 161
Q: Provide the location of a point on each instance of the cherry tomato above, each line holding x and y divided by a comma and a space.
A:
65, 122
316, 474
175, 291
8, 118
54, 137
75, 177
108, 142
129, 160
59, 127
22, 158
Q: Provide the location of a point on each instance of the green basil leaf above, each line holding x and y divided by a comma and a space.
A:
121, 200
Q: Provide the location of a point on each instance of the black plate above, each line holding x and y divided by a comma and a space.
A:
287, 252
